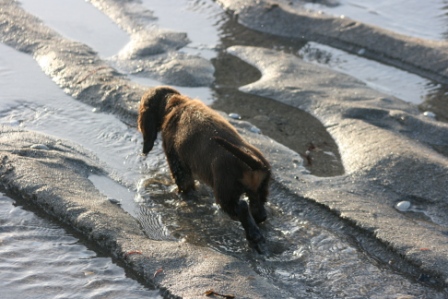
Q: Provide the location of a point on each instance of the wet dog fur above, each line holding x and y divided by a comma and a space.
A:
200, 144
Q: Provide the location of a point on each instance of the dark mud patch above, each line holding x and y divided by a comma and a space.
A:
290, 126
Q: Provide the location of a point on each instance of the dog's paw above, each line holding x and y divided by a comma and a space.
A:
260, 217
188, 196
258, 213
258, 244
185, 188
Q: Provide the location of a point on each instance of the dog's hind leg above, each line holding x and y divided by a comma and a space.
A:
257, 200
228, 196
181, 173
256, 205
253, 234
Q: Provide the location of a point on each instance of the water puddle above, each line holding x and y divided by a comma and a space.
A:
200, 19
39, 259
80, 21
424, 19
211, 30
389, 80
116, 193
306, 250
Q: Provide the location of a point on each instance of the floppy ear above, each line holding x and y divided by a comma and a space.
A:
151, 112
150, 136
147, 124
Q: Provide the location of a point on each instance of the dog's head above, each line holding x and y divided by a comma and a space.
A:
151, 113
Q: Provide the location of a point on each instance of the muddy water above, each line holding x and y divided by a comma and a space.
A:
310, 252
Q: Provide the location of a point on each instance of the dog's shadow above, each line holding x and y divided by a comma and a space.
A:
196, 219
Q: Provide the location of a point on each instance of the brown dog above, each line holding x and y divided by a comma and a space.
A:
201, 144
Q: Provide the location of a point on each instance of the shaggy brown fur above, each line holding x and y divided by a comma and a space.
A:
200, 144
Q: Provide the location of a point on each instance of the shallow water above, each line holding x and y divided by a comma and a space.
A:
80, 21
424, 19
389, 80
39, 259
309, 251
206, 26
30, 100
200, 19
307, 255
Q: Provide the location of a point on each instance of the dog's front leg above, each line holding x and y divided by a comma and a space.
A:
181, 172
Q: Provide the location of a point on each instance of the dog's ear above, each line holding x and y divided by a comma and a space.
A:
148, 126
147, 120
151, 113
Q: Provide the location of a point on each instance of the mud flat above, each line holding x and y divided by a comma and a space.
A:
427, 58
391, 153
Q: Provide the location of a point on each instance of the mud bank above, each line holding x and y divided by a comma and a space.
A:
427, 58
391, 153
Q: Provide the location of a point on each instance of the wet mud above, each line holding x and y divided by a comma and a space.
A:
333, 233
289, 126
288, 20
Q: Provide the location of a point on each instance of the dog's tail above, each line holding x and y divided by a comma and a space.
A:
253, 163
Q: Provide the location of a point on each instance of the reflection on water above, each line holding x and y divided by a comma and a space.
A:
39, 259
